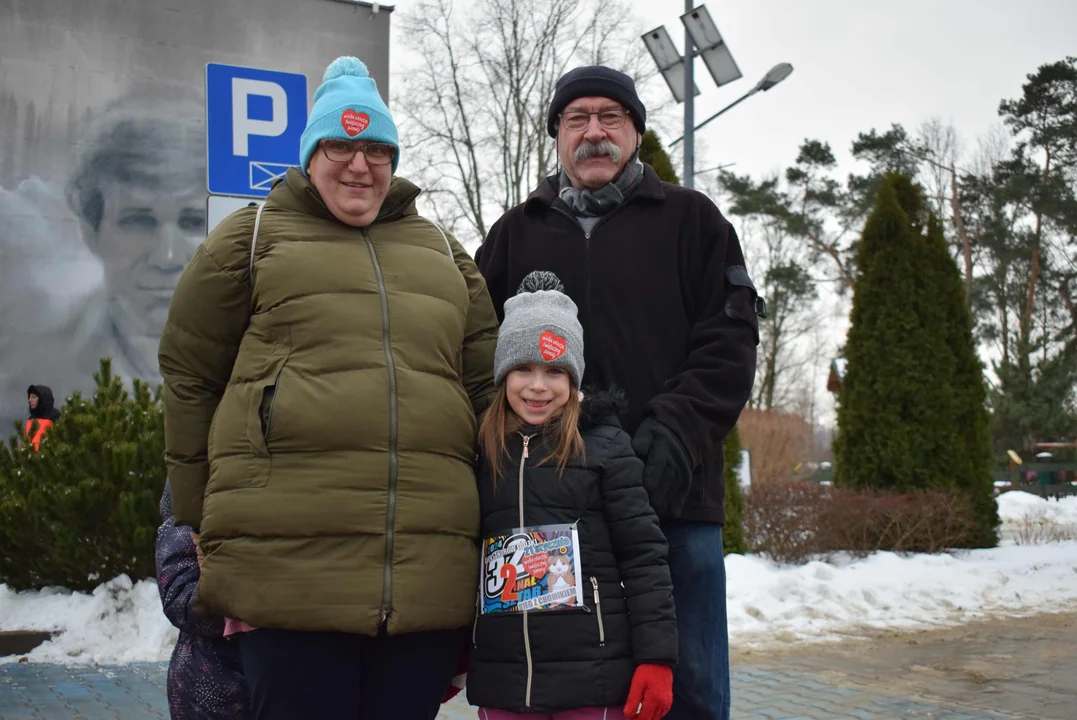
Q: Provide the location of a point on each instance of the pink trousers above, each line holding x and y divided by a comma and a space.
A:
591, 713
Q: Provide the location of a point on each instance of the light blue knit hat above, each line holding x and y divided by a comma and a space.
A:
347, 106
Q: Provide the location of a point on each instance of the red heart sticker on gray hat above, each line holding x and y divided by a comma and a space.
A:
354, 122
551, 346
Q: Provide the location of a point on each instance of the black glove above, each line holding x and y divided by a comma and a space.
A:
667, 474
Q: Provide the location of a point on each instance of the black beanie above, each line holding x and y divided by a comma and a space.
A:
596, 81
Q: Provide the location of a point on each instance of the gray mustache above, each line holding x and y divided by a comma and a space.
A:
602, 147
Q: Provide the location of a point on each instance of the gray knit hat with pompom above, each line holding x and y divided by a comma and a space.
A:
540, 327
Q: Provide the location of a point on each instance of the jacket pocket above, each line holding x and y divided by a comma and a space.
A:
260, 425
259, 413
265, 411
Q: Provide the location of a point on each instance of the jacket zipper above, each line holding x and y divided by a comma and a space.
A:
703, 480
587, 268
598, 613
390, 518
527, 439
527, 635
587, 246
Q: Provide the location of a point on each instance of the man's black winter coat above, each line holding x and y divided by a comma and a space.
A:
545, 662
667, 308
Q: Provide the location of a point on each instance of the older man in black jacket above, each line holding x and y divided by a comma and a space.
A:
669, 315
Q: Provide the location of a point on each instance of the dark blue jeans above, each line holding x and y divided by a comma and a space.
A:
701, 680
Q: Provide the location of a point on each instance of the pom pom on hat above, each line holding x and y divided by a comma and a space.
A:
540, 280
345, 65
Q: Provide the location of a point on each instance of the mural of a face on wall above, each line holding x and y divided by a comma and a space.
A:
93, 276
138, 191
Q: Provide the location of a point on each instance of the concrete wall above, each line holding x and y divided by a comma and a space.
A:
102, 163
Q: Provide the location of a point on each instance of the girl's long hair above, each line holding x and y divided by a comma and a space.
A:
562, 431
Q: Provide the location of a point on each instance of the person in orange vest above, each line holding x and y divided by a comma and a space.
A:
42, 411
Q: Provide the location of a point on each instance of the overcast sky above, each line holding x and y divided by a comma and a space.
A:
858, 64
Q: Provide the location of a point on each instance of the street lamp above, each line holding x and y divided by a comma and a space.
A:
699, 32
774, 76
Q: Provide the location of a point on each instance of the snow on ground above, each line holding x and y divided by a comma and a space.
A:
119, 622
768, 603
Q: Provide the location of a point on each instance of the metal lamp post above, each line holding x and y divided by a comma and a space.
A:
702, 39
689, 102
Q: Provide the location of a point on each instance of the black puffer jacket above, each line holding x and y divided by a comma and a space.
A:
544, 662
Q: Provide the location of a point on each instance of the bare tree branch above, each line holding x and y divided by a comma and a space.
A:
475, 105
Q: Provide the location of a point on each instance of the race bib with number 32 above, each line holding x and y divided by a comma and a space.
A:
533, 569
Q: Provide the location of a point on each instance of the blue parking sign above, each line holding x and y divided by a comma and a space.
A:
254, 120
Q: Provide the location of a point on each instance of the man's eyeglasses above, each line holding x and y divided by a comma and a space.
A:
342, 151
609, 119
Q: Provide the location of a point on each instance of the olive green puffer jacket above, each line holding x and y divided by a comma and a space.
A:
320, 420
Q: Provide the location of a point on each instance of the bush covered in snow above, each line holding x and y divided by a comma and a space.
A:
85, 508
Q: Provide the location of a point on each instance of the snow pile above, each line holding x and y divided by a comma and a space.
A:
1029, 519
1016, 505
120, 622
772, 603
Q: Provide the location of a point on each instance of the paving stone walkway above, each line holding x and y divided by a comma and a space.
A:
133, 692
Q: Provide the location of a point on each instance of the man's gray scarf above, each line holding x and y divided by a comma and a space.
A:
589, 206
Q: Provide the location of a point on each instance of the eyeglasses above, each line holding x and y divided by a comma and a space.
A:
609, 119
342, 151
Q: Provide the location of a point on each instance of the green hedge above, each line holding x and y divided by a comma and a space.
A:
85, 508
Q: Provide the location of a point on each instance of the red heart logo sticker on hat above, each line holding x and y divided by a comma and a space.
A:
551, 346
354, 122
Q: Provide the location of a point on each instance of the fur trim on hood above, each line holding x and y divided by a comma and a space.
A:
601, 407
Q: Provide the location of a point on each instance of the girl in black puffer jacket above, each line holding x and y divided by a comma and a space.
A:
575, 614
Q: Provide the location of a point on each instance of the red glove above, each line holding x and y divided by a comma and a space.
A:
652, 687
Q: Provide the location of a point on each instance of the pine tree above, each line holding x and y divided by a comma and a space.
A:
733, 540
971, 421
911, 413
85, 508
891, 433
651, 152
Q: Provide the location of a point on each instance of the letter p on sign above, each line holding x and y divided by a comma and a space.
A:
254, 122
243, 126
